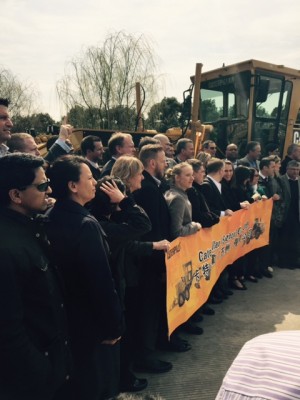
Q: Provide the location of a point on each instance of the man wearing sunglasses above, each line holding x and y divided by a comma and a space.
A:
34, 354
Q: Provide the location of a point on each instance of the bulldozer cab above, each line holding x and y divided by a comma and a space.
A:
252, 100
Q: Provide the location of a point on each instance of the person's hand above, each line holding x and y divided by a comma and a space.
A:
65, 132
228, 212
162, 245
111, 342
112, 190
256, 197
199, 226
276, 197
245, 205
263, 197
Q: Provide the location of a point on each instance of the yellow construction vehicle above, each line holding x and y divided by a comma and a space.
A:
251, 100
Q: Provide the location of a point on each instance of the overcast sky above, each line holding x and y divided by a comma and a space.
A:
39, 37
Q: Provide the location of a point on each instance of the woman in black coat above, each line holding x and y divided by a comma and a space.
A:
93, 307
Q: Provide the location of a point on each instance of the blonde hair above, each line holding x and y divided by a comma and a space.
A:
203, 157
126, 167
176, 171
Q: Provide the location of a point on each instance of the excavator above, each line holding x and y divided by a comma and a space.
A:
250, 100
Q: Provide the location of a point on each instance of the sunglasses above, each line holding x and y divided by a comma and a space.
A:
41, 187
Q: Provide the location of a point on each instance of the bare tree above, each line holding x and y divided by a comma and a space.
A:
103, 78
22, 96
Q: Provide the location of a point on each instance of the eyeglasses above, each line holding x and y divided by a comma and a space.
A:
41, 187
212, 148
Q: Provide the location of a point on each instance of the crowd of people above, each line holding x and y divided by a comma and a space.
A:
83, 247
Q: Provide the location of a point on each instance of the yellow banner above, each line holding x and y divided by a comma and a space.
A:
195, 262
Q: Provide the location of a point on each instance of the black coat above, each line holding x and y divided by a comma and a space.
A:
123, 231
215, 200
82, 255
151, 198
34, 354
106, 170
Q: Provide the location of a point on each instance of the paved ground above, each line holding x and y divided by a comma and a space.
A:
268, 306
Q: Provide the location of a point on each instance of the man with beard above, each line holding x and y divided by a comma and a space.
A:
92, 150
150, 197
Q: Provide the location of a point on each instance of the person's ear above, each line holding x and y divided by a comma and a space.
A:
72, 186
15, 196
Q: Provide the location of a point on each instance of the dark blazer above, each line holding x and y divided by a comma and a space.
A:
215, 200
34, 354
200, 210
284, 164
106, 170
123, 231
55, 152
79, 247
247, 163
96, 172
151, 198
287, 194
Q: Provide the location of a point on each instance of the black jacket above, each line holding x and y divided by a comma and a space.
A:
200, 210
215, 200
123, 231
34, 354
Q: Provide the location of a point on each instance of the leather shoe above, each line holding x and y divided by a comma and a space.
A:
155, 366
214, 300
206, 310
252, 279
267, 274
197, 317
134, 385
189, 327
176, 346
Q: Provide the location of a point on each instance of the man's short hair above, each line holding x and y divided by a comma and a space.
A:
265, 162
292, 147
147, 140
88, 143
4, 102
206, 144
181, 144
16, 142
149, 152
64, 170
17, 170
214, 165
195, 164
117, 139
293, 164
250, 146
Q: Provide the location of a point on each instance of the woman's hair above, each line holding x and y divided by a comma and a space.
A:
203, 157
241, 174
125, 168
176, 171
195, 164
101, 205
253, 171
64, 170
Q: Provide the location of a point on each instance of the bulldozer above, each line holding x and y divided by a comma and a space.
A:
250, 100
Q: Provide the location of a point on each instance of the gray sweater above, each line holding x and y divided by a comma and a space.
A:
181, 213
